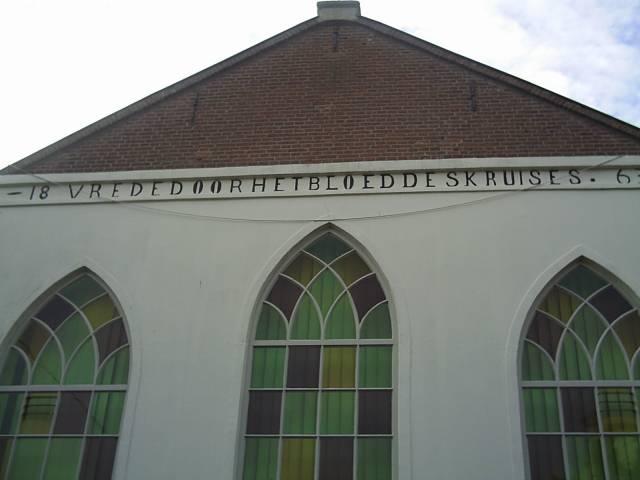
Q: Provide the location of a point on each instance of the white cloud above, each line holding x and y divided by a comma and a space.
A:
70, 62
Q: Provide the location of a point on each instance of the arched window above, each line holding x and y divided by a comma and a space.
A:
580, 381
63, 384
320, 392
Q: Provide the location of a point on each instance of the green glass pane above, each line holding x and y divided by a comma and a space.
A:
14, 371
588, 326
535, 364
71, 333
377, 324
10, 408
106, 412
115, 370
33, 339
628, 330
48, 366
306, 324
339, 367
27, 459
6, 445
617, 409
326, 289
62, 459
100, 311
574, 363
337, 412
582, 281
374, 458
260, 459
560, 304
268, 367
374, 368
298, 458
541, 410
585, 458
82, 290
38, 413
271, 325
303, 269
623, 457
611, 363
300, 412
341, 322
80, 369
351, 268
328, 247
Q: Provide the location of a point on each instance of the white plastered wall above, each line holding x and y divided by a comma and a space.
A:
461, 279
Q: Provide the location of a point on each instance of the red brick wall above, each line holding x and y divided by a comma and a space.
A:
373, 98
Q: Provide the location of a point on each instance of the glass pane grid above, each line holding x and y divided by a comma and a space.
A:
61, 430
592, 429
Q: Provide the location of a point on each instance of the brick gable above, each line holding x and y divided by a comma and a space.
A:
338, 92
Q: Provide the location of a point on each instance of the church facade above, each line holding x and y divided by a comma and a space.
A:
345, 253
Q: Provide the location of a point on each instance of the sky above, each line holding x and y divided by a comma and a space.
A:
68, 63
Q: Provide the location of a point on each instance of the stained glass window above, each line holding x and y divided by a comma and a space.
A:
320, 394
63, 384
580, 379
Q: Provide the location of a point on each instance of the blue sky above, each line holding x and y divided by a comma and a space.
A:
69, 63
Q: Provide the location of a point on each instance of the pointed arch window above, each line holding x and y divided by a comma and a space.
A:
580, 381
63, 384
321, 384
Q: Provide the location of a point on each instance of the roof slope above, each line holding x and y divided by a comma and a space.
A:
333, 91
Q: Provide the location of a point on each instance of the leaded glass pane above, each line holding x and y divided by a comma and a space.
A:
374, 458
377, 323
98, 457
610, 303
72, 333
545, 457
351, 268
579, 410
560, 304
27, 460
260, 459
300, 409
110, 337
264, 412
115, 370
628, 331
584, 455
284, 295
366, 294
611, 363
303, 367
541, 410
327, 248
15, 370
306, 323
298, 458
82, 290
303, 269
81, 368
588, 326
583, 281
574, 363
5, 454
47, 369
546, 332
10, 408
337, 411
72, 413
374, 412
375, 366
100, 311
38, 413
617, 409
339, 367
326, 288
536, 365
63, 459
33, 339
336, 459
106, 413
341, 323
271, 325
623, 457
55, 312
268, 367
